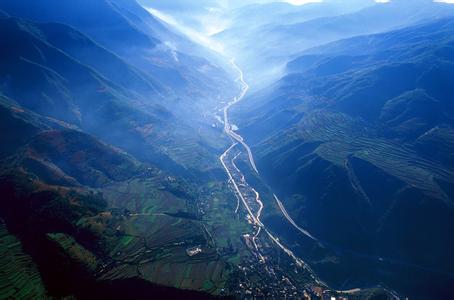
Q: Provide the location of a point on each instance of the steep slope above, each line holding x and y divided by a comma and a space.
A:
133, 34
31, 47
61, 87
86, 51
81, 158
96, 18
356, 138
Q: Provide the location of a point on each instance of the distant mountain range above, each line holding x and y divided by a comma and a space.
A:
280, 35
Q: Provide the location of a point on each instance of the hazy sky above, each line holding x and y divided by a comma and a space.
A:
211, 21
300, 2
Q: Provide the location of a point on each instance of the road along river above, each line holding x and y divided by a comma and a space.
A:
227, 126
246, 194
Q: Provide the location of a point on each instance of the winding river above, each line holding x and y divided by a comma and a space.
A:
247, 194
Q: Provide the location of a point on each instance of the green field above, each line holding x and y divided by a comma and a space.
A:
149, 229
19, 276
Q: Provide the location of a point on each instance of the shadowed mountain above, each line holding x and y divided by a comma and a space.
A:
357, 138
56, 154
82, 159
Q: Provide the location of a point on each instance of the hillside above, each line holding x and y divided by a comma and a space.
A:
129, 31
78, 210
70, 78
357, 139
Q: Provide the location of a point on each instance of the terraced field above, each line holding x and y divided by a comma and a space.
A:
74, 250
19, 276
148, 231
340, 137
